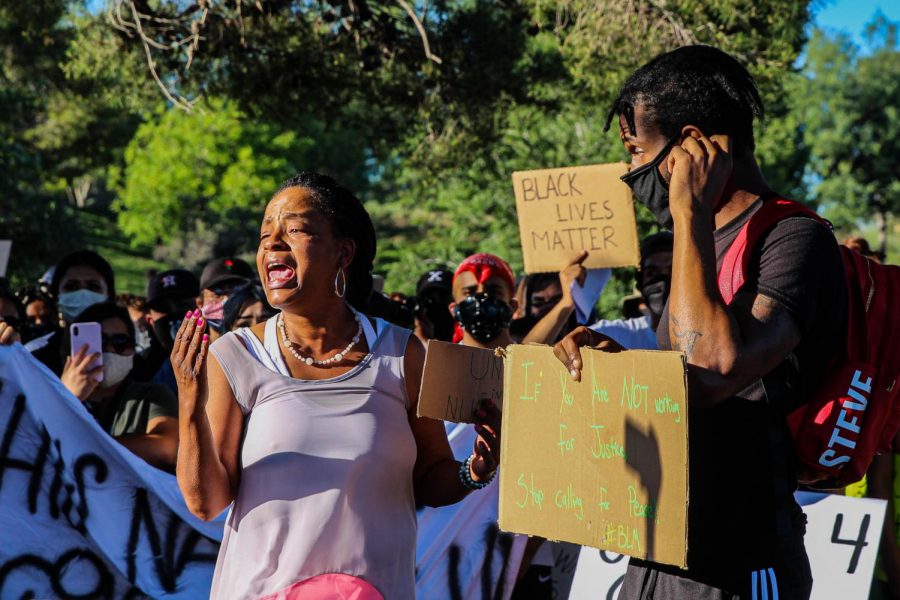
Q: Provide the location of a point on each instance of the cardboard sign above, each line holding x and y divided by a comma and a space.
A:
564, 211
456, 378
602, 462
842, 536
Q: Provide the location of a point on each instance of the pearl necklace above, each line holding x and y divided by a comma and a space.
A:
308, 359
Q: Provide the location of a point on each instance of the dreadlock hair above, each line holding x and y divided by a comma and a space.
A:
693, 85
349, 219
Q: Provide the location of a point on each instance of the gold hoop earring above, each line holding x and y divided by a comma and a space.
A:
343, 287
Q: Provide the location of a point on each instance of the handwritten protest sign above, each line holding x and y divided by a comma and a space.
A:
564, 211
456, 378
602, 462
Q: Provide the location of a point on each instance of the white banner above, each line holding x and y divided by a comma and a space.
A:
460, 552
842, 537
82, 516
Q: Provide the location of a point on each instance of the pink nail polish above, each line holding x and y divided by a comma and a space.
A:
187, 315
200, 322
197, 312
205, 337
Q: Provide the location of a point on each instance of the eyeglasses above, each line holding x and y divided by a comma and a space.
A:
121, 343
13, 322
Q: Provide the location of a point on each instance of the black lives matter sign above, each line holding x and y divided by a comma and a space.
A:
567, 210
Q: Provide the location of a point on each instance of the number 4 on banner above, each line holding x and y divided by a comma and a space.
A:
858, 544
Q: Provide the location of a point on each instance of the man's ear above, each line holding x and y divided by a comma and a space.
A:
692, 131
452, 308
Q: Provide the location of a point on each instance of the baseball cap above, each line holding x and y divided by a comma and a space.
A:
436, 278
224, 270
172, 290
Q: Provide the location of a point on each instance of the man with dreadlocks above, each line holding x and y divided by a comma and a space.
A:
686, 119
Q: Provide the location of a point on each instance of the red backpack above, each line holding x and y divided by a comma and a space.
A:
854, 412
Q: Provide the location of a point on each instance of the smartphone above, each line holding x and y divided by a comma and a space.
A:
89, 334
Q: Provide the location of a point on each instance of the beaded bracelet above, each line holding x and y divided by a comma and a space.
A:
466, 478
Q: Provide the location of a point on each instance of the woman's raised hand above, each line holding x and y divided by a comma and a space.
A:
189, 359
487, 444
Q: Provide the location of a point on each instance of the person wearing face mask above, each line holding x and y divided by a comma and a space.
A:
687, 120
483, 301
434, 292
169, 295
80, 280
654, 279
40, 312
220, 277
143, 417
550, 310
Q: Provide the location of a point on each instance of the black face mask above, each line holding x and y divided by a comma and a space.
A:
650, 188
166, 329
483, 316
435, 303
656, 294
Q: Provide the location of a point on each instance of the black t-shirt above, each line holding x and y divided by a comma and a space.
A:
742, 512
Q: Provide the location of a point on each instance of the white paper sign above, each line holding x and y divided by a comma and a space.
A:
841, 540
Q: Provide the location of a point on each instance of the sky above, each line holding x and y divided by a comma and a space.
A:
851, 16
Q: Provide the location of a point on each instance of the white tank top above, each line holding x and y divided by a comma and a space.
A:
326, 470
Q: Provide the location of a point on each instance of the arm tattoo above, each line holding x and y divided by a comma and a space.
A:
765, 309
685, 339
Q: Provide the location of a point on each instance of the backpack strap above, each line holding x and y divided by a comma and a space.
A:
732, 274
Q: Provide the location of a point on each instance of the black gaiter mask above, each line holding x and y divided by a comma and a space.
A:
650, 188
483, 316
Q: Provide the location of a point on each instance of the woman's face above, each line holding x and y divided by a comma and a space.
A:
252, 313
82, 277
115, 337
298, 255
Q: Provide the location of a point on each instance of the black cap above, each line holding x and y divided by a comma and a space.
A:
436, 278
172, 290
223, 270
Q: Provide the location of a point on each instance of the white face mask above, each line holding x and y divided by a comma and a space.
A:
72, 303
115, 368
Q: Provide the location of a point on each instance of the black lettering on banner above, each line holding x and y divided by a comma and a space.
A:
858, 544
104, 584
614, 588
168, 567
453, 556
492, 538
605, 557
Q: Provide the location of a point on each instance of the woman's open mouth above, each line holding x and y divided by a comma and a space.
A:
280, 275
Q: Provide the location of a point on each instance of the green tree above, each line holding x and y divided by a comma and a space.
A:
852, 117
197, 182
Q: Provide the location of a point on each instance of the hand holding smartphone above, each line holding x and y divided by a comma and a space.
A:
88, 334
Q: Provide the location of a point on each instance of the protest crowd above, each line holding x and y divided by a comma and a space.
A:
282, 393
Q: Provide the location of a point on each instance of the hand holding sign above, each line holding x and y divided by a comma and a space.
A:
487, 445
568, 349
573, 274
